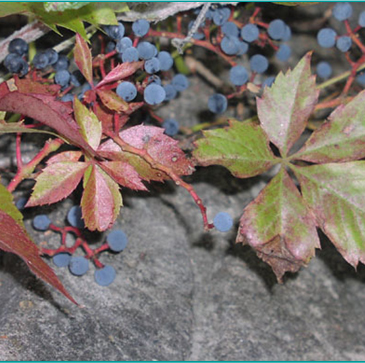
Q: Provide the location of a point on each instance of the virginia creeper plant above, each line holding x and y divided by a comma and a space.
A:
92, 143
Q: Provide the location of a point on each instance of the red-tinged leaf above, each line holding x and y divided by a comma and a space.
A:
124, 174
105, 116
285, 107
121, 71
14, 239
83, 58
65, 156
56, 182
335, 192
278, 225
159, 146
101, 200
340, 139
112, 101
243, 148
89, 124
133, 106
43, 108
29, 86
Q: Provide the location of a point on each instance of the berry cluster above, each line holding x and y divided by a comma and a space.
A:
328, 38
116, 241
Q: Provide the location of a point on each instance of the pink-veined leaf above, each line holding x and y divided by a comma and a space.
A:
341, 138
124, 174
43, 108
279, 226
159, 146
65, 156
121, 71
56, 182
14, 239
83, 58
285, 107
101, 199
89, 124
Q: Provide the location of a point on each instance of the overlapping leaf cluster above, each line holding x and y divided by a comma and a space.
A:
281, 223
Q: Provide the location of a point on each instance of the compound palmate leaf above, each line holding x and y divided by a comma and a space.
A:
278, 225
14, 239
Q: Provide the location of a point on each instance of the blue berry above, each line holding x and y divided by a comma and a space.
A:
41, 222
324, 70
67, 98
171, 126
78, 266
238, 75
326, 37
77, 78
283, 53
40, 60
105, 276
140, 27
152, 65
123, 44
18, 46
170, 91
154, 79
127, 91
277, 29
62, 63
268, 82
21, 202
242, 48
146, 50
115, 31
343, 43
52, 56
230, 29
250, 33
154, 94
16, 64
361, 20
223, 222
342, 11
109, 47
166, 61
61, 259
180, 82
361, 79
230, 45
62, 78
259, 63
130, 55
74, 217
117, 240
287, 34
221, 16
217, 103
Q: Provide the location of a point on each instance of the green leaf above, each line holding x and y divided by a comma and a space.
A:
56, 182
62, 6
285, 107
10, 7
341, 138
243, 148
8, 206
89, 124
101, 200
83, 59
278, 225
336, 194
